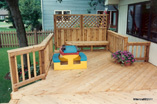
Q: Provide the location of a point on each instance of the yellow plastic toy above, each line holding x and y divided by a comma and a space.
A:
70, 55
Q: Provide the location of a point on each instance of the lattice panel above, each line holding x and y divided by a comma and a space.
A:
94, 21
67, 21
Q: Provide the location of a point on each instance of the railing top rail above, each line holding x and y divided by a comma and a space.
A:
117, 34
80, 14
29, 49
138, 43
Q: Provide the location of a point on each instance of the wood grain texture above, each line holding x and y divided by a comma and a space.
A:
92, 98
102, 81
80, 28
117, 42
45, 49
137, 50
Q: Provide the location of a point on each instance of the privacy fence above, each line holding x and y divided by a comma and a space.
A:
9, 39
80, 27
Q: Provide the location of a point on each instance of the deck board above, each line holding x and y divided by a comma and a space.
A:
101, 78
92, 98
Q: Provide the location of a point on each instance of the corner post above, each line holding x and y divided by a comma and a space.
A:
13, 72
41, 62
55, 35
147, 52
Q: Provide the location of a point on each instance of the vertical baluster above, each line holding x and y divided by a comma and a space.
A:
141, 51
28, 62
133, 49
145, 51
16, 68
128, 48
34, 62
136, 51
22, 66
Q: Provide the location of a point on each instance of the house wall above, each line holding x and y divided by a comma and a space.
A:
76, 7
122, 26
111, 2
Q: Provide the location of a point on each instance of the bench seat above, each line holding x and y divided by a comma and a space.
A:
88, 43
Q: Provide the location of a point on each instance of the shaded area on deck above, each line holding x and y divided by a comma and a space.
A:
101, 78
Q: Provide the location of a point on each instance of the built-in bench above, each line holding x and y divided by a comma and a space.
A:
88, 43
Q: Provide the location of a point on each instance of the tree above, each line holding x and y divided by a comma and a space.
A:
21, 33
93, 4
30, 12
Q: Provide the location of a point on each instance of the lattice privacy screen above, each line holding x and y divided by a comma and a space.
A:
94, 21
76, 21
71, 21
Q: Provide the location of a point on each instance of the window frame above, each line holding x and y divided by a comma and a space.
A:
62, 20
149, 25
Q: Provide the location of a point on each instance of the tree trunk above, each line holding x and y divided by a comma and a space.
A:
21, 33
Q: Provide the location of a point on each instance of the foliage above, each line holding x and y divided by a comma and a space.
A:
26, 71
123, 57
5, 85
31, 12
154, 6
3, 4
93, 4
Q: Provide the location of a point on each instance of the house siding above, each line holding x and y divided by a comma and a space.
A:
75, 6
122, 26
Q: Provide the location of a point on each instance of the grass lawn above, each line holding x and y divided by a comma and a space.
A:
5, 24
5, 85
6, 29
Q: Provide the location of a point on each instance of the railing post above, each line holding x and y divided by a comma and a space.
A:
55, 35
35, 36
0, 42
125, 43
107, 21
147, 52
81, 26
41, 62
13, 72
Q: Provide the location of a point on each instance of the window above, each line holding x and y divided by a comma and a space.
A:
61, 18
100, 12
113, 18
2, 17
142, 22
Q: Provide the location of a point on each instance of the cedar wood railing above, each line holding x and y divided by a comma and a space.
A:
140, 50
45, 50
117, 42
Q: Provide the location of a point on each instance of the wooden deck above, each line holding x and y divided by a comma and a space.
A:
104, 82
